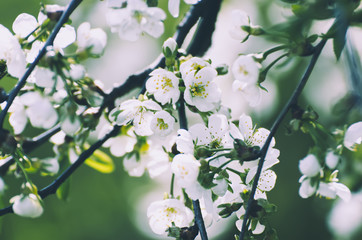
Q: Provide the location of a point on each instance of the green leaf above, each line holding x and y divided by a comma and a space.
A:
100, 162
63, 191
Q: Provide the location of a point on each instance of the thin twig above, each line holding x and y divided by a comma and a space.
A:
63, 19
293, 99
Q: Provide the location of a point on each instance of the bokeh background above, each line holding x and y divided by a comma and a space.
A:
112, 206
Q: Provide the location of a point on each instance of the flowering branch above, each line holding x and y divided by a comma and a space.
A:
293, 99
64, 18
29, 145
52, 188
199, 220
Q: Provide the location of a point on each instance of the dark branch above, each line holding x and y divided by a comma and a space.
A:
293, 99
63, 19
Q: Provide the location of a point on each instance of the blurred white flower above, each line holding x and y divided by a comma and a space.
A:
50, 165
162, 123
36, 108
94, 39
331, 160
186, 169
136, 18
184, 142
174, 6
164, 86
76, 72
121, 144
306, 188
246, 72
2, 186
239, 19
163, 213
345, 218
70, 125
309, 166
11, 53
334, 189
353, 136
27, 205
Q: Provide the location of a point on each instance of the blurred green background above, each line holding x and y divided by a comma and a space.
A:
104, 206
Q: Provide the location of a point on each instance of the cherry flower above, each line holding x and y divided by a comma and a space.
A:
163, 213
331, 160
184, 143
201, 91
174, 6
150, 157
121, 144
138, 112
162, 123
45, 78
239, 19
27, 205
36, 108
11, 53
136, 18
186, 169
164, 86
25, 23
246, 72
353, 136
334, 189
309, 166
94, 39
193, 65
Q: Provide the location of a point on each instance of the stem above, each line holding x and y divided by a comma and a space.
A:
272, 50
64, 18
52, 188
172, 184
292, 100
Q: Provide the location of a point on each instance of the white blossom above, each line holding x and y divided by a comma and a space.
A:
334, 189
246, 72
138, 112
239, 18
2, 186
162, 123
171, 44
51, 165
309, 166
353, 136
136, 18
193, 65
306, 188
27, 205
331, 160
76, 72
345, 218
174, 6
121, 144
164, 86
11, 53
184, 142
163, 213
201, 91
94, 39
186, 169
70, 125
36, 108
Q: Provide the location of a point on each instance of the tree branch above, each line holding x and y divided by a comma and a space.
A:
52, 188
292, 100
63, 19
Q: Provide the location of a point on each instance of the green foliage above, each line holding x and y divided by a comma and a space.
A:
101, 162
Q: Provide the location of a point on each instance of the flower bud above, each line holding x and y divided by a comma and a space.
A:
309, 166
169, 47
331, 160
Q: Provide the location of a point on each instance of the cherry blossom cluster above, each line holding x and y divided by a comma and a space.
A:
219, 164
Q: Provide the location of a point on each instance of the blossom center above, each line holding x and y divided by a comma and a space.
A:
198, 90
161, 124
